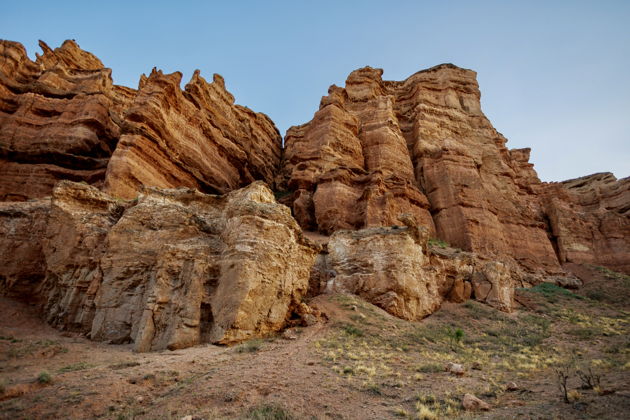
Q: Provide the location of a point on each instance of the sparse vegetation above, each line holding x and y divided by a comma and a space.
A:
438, 243
74, 367
552, 292
268, 412
250, 346
44, 378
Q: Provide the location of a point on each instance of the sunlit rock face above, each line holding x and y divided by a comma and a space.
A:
377, 148
195, 138
171, 269
60, 118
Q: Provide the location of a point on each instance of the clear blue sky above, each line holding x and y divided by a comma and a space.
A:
554, 75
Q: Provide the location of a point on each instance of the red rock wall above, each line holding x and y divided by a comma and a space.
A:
59, 119
349, 167
194, 138
376, 149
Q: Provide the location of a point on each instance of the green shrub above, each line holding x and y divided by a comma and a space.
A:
438, 242
44, 378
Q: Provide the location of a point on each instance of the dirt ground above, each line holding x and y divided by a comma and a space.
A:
360, 364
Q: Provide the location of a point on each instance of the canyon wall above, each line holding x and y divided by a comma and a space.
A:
149, 216
377, 148
61, 117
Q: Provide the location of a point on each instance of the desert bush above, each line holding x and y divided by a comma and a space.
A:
250, 346
268, 412
44, 378
438, 242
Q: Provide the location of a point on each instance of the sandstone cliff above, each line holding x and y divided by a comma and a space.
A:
60, 118
146, 254
590, 220
171, 269
377, 148
194, 138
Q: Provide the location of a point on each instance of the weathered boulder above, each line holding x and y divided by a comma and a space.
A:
173, 268
392, 269
60, 118
194, 138
493, 283
472, 403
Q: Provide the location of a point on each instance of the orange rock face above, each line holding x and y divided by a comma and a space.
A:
349, 167
193, 138
59, 119
422, 146
590, 220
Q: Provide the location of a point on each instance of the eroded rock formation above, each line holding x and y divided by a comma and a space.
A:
139, 251
395, 269
590, 220
194, 138
60, 118
378, 148
171, 269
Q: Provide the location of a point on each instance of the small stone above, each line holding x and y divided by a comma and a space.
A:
472, 403
455, 369
476, 366
289, 334
139, 398
512, 386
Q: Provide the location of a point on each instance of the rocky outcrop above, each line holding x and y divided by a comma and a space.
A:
395, 269
60, 118
590, 220
194, 138
139, 251
423, 146
171, 269
349, 167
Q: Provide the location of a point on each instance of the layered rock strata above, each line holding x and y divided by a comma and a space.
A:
194, 138
60, 118
423, 146
173, 268
590, 220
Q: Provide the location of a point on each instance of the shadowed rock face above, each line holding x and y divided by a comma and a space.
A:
59, 118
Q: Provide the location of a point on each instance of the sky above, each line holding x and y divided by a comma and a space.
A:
554, 75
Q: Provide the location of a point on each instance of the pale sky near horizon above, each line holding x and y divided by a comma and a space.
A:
554, 75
